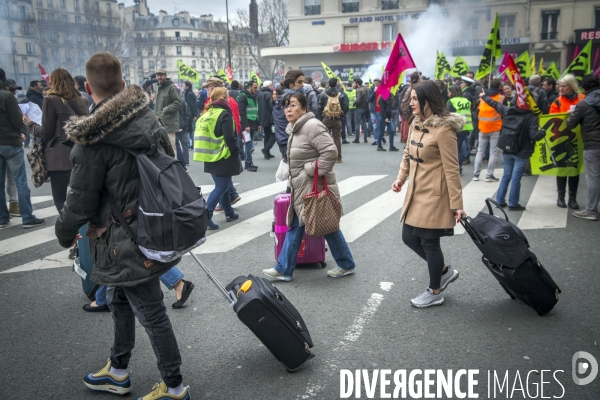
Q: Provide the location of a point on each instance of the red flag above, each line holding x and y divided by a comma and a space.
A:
524, 98
503, 66
596, 65
576, 53
399, 61
44, 74
229, 72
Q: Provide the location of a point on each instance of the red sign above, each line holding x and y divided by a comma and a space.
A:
583, 35
363, 46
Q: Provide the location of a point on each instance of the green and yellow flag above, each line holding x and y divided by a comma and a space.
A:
441, 66
328, 71
460, 68
491, 53
524, 65
532, 65
351, 75
581, 65
223, 76
542, 67
552, 71
186, 73
255, 78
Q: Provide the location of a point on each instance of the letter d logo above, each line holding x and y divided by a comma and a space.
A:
581, 367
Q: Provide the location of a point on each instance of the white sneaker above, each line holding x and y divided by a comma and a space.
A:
448, 278
476, 178
428, 299
272, 273
338, 272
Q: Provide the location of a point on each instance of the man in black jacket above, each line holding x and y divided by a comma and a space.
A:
331, 114
190, 100
102, 167
587, 113
549, 86
34, 93
362, 111
514, 163
265, 117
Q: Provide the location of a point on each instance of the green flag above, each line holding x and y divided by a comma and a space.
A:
442, 66
328, 71
491, 53
581, 65
223, 76
460, 68
524, 65
186, 73
552, 71
351, 75
255, 78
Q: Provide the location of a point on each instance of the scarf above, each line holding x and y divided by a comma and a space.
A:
224, 104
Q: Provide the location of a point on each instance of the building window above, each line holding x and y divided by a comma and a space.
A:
30, 48
40, 16
550, 24
390, 31
26, 30
64, 18
96, 6
39, 3
312, 7
161, 50
56, 54
51, 16
76, 5
43, 36
203, 77
108, 9
139, 51
126, 69
109, 23
100, 41
50, 3
68, 55
162, 34
141, 65
470, 28
111, 41
177, 35
203, 64
193, 51
178, 48
77, 19
597, 20
507, 26
63, 4
349, 6
67, 37
54, 36
350, 34
151, 65
194, 64
90, 39
201, 51
390, 4
11, 28
79, 38
175, 21
23, 12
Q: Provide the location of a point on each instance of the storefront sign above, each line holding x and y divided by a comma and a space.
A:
482, 42
389, 18
363, 46
583, 35
342, 71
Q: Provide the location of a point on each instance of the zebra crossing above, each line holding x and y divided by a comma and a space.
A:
541, 213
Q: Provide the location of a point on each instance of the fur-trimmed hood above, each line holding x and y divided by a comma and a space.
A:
123, 120
453, 120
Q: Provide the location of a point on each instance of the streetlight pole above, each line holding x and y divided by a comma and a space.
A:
228, 38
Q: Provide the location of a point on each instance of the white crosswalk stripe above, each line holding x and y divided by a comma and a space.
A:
541, 213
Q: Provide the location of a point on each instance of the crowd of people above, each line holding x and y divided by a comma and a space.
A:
89, 125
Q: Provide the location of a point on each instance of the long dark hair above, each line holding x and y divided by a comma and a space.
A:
428, 92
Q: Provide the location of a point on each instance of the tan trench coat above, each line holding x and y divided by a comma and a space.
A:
309, 140
434, 189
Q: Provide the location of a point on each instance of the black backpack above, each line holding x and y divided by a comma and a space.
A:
513, 132
171, 214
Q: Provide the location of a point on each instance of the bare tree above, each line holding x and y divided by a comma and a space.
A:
273, 31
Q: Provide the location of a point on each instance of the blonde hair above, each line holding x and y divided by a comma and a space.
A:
63, 85
571, 81
219, 93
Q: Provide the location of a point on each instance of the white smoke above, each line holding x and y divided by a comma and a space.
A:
432, 31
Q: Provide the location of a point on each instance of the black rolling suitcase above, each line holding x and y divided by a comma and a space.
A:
506, 254
270, 316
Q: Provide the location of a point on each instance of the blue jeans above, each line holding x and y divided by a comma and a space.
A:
286, 263
513, 172
169, 279
462, 138
373, 124
181, 141
220, 194
245, 148
381, 124
13, 158
362, 117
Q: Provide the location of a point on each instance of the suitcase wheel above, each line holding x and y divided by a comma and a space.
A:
323, 264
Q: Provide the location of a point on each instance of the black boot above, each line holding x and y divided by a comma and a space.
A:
573, 201
561, 199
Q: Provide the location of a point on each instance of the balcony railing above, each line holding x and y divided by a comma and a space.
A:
350, 7
390, 4
312, 10
17, 16
70, 26
549, 35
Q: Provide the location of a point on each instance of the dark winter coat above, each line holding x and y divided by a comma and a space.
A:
535, 133
332, 92
385, 107
234, 93
362, 96
102, 167
265, 106
280, 122
56, 112
372, 99
35, 96
540, 97
167, 104
190, 99
230, 166
242, 100
587, 113
552, 95
11, 118
185, 117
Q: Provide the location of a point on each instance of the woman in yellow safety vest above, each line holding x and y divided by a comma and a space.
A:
460, 105
215, 144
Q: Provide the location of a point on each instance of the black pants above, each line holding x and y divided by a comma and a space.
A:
269, 139
561, 183
59, 181
429, 250
144, 301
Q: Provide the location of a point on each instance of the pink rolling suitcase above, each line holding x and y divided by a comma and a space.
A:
312, 249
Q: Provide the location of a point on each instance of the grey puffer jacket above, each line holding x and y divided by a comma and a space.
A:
102, 167
309, 141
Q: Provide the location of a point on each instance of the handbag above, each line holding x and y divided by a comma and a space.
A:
322, 210
37, 160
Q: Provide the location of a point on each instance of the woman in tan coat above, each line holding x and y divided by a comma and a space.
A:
433, 203
308, 142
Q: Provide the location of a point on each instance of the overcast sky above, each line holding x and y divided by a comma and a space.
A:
196, 7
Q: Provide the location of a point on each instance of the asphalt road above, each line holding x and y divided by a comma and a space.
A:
360, 322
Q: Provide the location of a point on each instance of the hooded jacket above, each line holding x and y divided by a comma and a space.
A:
35, 96
540, 97
103, 167
430, 160
265, 106
280, 122
332, 92
167, 104
311, 98
532, 122
587, 113
11, 118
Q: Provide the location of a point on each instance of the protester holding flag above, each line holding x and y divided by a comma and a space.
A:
570, 96
587, 114
539, 94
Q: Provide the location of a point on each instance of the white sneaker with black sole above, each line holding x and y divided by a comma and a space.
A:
428, 299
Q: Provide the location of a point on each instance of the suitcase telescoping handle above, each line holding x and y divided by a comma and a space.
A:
218, 284
489, 203
472, 230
